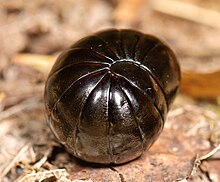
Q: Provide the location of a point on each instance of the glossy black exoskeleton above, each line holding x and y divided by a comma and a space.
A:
107, 96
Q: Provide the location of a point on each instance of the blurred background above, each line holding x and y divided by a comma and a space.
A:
33, 33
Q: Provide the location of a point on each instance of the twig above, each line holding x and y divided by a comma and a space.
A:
15, 160
204, 157
198, 162
42, 160
27, 104
40, 176
188, 11
196, 165
42, 63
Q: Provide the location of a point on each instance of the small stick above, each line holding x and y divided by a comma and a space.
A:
188, 11
42, 63
208, 155
42, 160
197, 163
198, 160
27, 104
15, 160
40, 176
